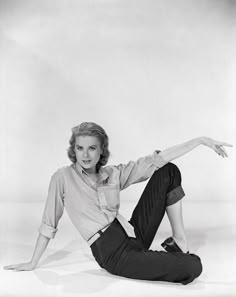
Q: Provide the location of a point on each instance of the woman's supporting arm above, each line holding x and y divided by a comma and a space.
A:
40, 247
53, 211
179, 150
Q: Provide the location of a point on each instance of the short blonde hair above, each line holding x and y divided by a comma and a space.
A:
90, 129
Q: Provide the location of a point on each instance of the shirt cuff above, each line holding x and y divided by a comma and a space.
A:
157, 160
47, 230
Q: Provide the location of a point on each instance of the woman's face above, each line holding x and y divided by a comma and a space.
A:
88, 150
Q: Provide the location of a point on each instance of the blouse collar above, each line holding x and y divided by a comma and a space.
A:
102, 173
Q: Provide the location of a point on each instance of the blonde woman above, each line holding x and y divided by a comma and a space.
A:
90, 193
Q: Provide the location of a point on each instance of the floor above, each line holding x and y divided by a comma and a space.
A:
67, 267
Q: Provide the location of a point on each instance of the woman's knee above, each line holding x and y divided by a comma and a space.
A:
196, 266
192, 269
169, 167
172, 167
170, 172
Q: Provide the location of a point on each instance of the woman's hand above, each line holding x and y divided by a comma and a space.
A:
21, 267
217, 146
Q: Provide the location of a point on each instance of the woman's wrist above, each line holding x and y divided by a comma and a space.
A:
34, 263
202, 140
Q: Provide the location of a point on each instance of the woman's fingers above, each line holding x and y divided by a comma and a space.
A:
12, 267
9, 267
219, 150
223, 149
225, 144
21, 267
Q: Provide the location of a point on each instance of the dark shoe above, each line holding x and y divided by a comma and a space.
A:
171, 246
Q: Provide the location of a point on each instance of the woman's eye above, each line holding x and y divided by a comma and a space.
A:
79, 148
93, 148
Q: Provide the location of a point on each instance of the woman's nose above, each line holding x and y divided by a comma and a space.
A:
85, 154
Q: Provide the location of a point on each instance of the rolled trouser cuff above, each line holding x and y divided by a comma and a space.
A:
175, 195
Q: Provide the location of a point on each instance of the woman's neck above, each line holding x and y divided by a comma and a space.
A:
91, 172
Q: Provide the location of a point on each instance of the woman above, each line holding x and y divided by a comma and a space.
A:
90, 194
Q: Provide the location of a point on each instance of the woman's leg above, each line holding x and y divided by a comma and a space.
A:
125, 256
174, 213
163, 192
130, 257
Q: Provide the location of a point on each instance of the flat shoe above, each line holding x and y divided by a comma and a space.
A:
171, 246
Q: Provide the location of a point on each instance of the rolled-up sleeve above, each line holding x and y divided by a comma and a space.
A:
54, 206
140, 170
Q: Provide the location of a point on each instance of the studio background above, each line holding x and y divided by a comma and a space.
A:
152, 73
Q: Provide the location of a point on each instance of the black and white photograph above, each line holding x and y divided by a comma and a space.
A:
118, 136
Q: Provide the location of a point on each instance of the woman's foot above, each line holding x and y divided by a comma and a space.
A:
175, 244
182, 243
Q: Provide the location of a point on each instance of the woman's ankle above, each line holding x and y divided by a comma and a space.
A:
181, 242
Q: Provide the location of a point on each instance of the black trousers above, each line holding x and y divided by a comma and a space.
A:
130, 257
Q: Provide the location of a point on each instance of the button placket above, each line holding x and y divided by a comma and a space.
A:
103, 204
101, 198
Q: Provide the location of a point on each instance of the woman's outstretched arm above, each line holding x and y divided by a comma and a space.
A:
179, 150
40, 247
53, 211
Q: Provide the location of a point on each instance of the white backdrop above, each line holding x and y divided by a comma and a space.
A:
152, 73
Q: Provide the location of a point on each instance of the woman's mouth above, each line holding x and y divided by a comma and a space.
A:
86, 161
